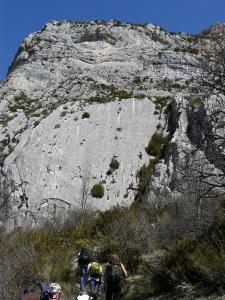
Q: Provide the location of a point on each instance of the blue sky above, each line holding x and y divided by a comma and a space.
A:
18, 18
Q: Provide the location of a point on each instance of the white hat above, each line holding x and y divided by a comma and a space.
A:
56, 288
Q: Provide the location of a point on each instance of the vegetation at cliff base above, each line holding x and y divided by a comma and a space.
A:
164, 258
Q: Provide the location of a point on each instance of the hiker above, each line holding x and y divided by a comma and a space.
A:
83, 259
94, 277
23, 294
56, 290
42, 291
114, 275
46, 291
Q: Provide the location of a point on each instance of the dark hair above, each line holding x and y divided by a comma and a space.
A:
113, 257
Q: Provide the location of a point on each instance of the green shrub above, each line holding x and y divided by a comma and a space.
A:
137, 80
221, 124
121, 94
63, 113
29, 106
140, 96
98, 99
109, 172
190, 50
144, 175
177, 49
125, 232
114, 92
199, 262
156, 148
114, 165
57, 126
159, 126
4, 119
85, 115
108, 93
36, 122
14, 108
193, 51
192, 38
97, 191
22, 96
161, 102
109, 216
165, 84
156, 144
195, 101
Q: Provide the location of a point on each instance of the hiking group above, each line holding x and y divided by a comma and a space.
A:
91, 272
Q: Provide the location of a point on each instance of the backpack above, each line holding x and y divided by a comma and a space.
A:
46, 291
84, 257
114, 272
95, 269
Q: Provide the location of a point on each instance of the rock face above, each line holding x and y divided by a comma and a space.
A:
80, 97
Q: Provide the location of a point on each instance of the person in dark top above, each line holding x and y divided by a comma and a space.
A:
114, 275
83, 259
42, 290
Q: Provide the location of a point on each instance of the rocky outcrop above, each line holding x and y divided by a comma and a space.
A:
80, 96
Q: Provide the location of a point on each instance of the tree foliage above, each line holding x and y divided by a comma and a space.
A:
211, 63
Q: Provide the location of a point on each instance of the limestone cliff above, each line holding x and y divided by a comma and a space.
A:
81, 96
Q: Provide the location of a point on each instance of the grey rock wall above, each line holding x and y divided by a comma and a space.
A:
115, 72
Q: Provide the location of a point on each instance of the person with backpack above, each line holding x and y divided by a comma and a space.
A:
41, 290
94, 277
114, 275
83, 259
46, 291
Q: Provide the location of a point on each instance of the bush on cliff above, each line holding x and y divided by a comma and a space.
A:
97, 190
